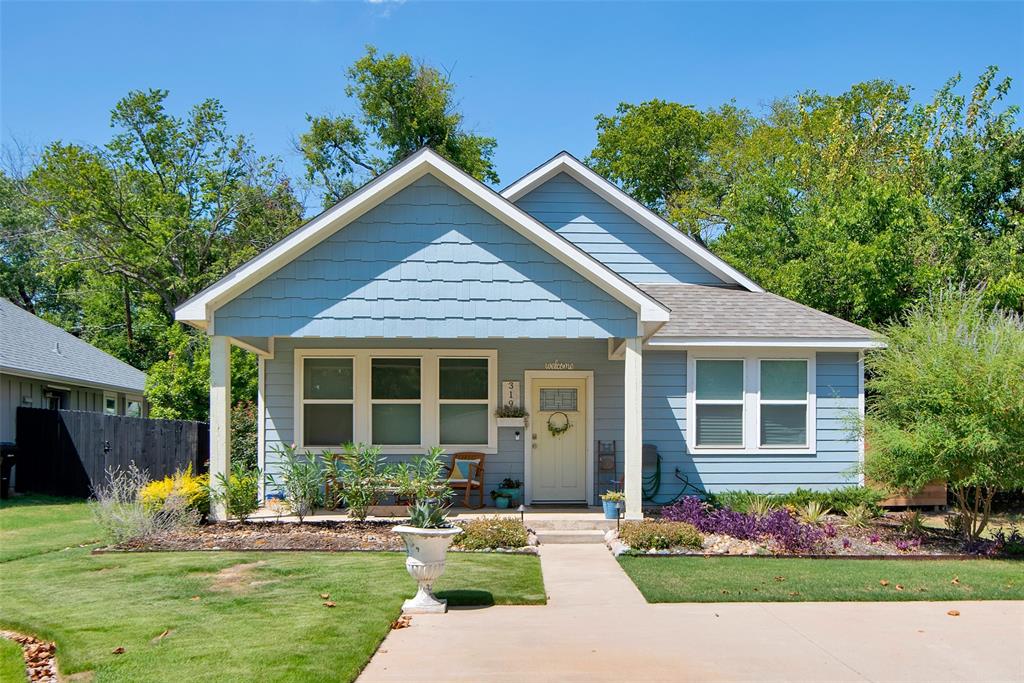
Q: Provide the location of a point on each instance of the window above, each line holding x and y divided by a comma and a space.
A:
109, 404
395, 397
783, 403
133, 408
401, 400
740, 403
327, 401
464, 409
719, 403
557, 399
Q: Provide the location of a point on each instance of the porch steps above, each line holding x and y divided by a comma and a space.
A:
563, 536
583, 523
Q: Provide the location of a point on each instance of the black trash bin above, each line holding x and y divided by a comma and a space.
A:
8, 455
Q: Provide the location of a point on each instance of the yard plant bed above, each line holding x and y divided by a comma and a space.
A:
766, 579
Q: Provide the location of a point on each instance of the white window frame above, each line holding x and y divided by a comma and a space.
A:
784, 402
751, 400
107, 397
135, 399
397, 401
741, 401
430, 419
302, 401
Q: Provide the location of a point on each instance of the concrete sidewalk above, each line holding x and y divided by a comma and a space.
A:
597, 627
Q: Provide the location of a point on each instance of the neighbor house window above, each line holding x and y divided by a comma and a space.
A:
395, 397
109, 404
327, 401
719, 402
783, 403
133, 408
464, 409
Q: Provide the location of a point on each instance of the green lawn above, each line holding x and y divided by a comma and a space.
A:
230, 616
699, 579
37, 524
12, 664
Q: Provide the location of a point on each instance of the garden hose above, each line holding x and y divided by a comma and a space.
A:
651, 486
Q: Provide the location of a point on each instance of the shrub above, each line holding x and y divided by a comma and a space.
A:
814, 512
1011, 543
362, 481
192, 489
488, 533
778, 525
239, 493
121, 514
837, 499
912, 523
302, 480
652, 534
859, 516
244, 437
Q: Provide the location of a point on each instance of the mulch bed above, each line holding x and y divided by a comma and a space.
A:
325, 536
40, 657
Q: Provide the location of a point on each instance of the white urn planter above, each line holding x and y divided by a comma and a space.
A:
427, 551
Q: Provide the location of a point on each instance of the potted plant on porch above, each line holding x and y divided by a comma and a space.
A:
612, 501
427, 537
512, 489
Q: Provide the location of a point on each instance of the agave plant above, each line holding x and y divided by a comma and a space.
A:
859, 515
760, 505
428, 513
814, 512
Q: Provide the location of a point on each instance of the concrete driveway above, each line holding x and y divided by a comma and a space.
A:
597, 627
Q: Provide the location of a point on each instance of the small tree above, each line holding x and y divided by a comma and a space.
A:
948, 403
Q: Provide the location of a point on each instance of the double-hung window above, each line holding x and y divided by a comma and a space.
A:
396, 401
464, 409
327, 401
748, 404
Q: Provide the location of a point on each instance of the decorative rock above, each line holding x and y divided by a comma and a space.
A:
40, 657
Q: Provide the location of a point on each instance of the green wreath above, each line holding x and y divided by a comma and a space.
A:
557, 430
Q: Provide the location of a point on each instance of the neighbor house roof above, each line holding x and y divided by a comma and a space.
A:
32, 347
563, 162
199, 310
724, 316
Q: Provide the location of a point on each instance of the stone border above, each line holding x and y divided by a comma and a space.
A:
40, 656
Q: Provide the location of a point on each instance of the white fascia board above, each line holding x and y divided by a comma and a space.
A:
764, 342
198, 309
566, 163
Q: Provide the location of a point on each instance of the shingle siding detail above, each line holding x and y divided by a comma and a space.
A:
610, 236
426, 263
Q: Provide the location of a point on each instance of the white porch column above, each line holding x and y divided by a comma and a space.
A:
634, 433
220, 414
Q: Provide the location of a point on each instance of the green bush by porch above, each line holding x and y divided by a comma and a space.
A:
728, 579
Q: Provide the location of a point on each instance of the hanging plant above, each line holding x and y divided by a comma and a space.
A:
558, 429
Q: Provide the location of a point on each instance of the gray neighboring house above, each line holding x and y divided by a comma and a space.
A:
42, 366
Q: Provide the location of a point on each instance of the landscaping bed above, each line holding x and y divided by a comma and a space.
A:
324, 536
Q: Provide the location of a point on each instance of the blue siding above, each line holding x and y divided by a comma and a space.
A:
610, 236
426, 263
514, 357
837, 450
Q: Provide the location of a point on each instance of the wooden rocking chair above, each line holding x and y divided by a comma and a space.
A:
467, 472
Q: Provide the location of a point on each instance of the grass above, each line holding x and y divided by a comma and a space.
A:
30, 525
230, 616
699, 579
12, 664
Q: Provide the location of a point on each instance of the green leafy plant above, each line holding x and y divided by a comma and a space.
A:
509, 411
123, 516
613, 496
301, 478
814, 512
428, 514
239, 492
359, 471
489, 533
760, 505
912, 523
650, 534
859, 516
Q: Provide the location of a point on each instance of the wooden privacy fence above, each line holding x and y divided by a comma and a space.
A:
67, 452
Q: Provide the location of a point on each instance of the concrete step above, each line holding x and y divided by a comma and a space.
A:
552, 537
590, 523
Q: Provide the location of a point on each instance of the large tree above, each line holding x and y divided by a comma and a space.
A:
857, 204
403, 106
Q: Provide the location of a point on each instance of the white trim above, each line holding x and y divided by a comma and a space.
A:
262, 353
199, 309
751, 401
528, 377
860, 412
763, 342
564, 162
106, 396
429, 403
261, 423
74, 382
633, 427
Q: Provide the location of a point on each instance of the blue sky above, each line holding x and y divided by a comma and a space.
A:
531, 74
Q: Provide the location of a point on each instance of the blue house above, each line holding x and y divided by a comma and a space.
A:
407, 313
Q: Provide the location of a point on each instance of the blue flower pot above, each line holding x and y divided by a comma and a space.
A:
611, 509
501, 502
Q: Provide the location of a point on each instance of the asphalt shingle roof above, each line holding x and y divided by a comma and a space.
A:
31, 345
704, 311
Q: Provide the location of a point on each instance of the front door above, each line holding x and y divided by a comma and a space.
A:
558, 464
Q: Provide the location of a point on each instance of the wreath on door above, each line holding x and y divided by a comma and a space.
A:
557, 429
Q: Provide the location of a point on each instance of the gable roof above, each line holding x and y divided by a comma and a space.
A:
723, 316
563, 162
199, 309
32, 347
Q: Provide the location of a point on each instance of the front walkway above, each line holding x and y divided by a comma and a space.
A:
597, 627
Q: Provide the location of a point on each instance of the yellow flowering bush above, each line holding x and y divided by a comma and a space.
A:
194, 489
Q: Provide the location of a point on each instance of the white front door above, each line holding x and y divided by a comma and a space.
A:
558, 461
